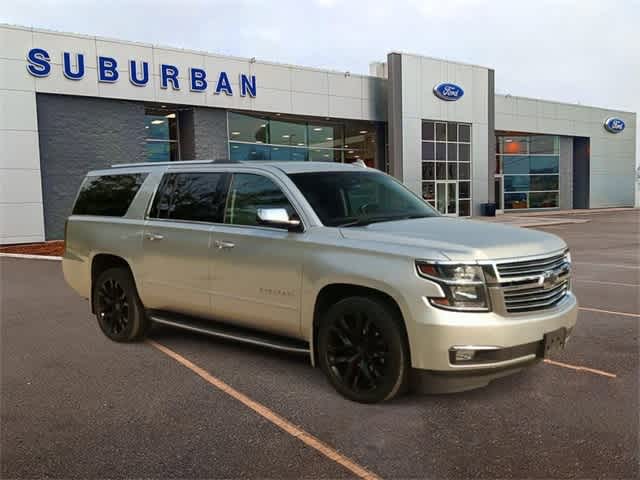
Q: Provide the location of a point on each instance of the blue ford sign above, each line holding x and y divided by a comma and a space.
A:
39, 64
448, 91
614, 125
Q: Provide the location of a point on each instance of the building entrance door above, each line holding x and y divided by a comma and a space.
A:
447, 197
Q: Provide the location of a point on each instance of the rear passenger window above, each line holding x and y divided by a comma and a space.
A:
108, 195
196, 197
249, 192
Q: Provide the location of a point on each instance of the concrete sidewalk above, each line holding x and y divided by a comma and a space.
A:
555, 217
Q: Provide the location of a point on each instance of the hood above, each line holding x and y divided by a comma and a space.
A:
459, 239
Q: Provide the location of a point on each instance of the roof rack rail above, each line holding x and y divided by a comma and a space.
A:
178, 162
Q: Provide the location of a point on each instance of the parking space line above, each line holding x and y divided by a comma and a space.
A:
581, 369
615, 265
624, 314
580, 280
270, 415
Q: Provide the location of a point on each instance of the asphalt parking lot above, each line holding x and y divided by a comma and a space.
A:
73, 404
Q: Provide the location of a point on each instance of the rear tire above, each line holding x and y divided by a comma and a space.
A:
120, 313
363, 351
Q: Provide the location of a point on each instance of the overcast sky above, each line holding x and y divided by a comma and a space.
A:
583, 51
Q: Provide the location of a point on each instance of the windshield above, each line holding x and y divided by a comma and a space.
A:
343, 199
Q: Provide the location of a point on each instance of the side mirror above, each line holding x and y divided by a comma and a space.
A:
278, 218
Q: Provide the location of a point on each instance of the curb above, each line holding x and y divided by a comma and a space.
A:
551, 223
29, 257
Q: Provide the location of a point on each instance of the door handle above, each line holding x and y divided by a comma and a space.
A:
221, 244
153, 236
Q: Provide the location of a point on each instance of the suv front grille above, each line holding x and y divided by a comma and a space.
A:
528, 268
535, 298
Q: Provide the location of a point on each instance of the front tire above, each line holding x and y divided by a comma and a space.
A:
363, 351
118, 308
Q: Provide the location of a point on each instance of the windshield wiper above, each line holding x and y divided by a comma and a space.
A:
361, 222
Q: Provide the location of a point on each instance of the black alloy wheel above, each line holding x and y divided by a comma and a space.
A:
362, 350
113, 307
118, 308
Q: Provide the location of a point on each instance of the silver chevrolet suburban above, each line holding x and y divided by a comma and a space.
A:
340, 262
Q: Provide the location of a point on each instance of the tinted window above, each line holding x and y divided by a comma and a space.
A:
249, 192
196, 197
108, 195
359, 197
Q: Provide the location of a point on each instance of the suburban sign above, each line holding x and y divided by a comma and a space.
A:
614, 125
108, 71
448, 91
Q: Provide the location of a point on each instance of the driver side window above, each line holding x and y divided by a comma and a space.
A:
248, 193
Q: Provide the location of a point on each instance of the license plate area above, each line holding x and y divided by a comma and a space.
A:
554, 341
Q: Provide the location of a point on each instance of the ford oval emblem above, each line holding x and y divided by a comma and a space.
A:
614, 125
448, 91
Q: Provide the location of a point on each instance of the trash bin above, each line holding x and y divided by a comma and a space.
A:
488, 209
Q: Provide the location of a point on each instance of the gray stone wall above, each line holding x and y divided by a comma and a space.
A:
78, 134
210, 134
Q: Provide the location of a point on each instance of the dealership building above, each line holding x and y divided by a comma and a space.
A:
72, 103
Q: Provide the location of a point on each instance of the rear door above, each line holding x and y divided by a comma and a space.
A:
176, 241
257, 271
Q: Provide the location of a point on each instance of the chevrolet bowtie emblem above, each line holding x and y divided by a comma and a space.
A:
549, 279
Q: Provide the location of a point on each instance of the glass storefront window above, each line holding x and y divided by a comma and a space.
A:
465, 189
245, 128
429, 191
446, 155
544, 164
323, 155
325, 136
543, 182
513, 145
428, 131
515, 164
464, 208
161, 151
464, 152
516, 183
428, 151
452, 132
530, 165
452, 171
515, 201
464, 133
161, 132
283, 139
464, 171
541, 144
249, 151
452, 152
543, 199
428, 170
287, 133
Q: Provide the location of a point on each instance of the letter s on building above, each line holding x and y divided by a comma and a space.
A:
39, 65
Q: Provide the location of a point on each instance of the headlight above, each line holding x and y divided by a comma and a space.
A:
463, 285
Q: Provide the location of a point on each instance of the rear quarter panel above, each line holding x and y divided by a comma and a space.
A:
88, 236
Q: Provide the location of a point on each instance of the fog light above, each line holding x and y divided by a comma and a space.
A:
464, 355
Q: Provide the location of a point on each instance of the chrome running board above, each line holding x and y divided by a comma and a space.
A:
229, 332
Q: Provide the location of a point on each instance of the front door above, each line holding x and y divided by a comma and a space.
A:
447, 197
256, 279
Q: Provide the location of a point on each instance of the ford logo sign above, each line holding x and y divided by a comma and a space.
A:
614, 125
448, 91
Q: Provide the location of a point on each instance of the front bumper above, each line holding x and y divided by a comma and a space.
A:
434, 332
